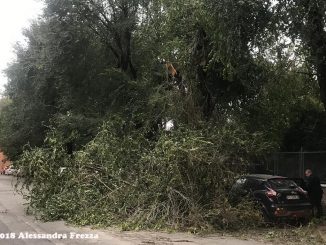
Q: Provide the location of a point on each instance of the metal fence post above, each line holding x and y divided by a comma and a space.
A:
301, 166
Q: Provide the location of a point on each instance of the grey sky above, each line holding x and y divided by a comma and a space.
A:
14, 16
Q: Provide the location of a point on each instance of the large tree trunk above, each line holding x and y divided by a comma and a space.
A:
114, 27
316, 40
200, 52
321, 75
126, 62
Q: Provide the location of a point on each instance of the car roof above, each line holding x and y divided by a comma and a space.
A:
264, 176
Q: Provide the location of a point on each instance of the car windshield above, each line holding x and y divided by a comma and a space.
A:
281, 183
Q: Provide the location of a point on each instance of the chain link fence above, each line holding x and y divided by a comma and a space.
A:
294, 164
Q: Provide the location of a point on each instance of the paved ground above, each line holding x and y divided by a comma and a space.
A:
15, 223
322, 232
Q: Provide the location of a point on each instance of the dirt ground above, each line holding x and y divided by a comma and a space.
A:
15, 223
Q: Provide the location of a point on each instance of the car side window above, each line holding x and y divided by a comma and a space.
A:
260, 185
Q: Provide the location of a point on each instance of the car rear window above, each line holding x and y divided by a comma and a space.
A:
281, 183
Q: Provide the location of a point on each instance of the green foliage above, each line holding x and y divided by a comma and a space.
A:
121, 178
282, 101
240, 88
305, 21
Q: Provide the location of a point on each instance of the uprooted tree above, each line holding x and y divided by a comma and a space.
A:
91, 93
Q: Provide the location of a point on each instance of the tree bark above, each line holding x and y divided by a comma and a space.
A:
316, 40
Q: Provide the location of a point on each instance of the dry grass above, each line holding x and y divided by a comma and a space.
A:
286, 234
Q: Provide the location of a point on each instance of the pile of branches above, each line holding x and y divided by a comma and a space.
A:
121, 178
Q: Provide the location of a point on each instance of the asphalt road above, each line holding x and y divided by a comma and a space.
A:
18, 228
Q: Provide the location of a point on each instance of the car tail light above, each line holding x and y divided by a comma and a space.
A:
279, 211
271, 193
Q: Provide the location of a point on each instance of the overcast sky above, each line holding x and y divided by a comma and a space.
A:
14, 16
